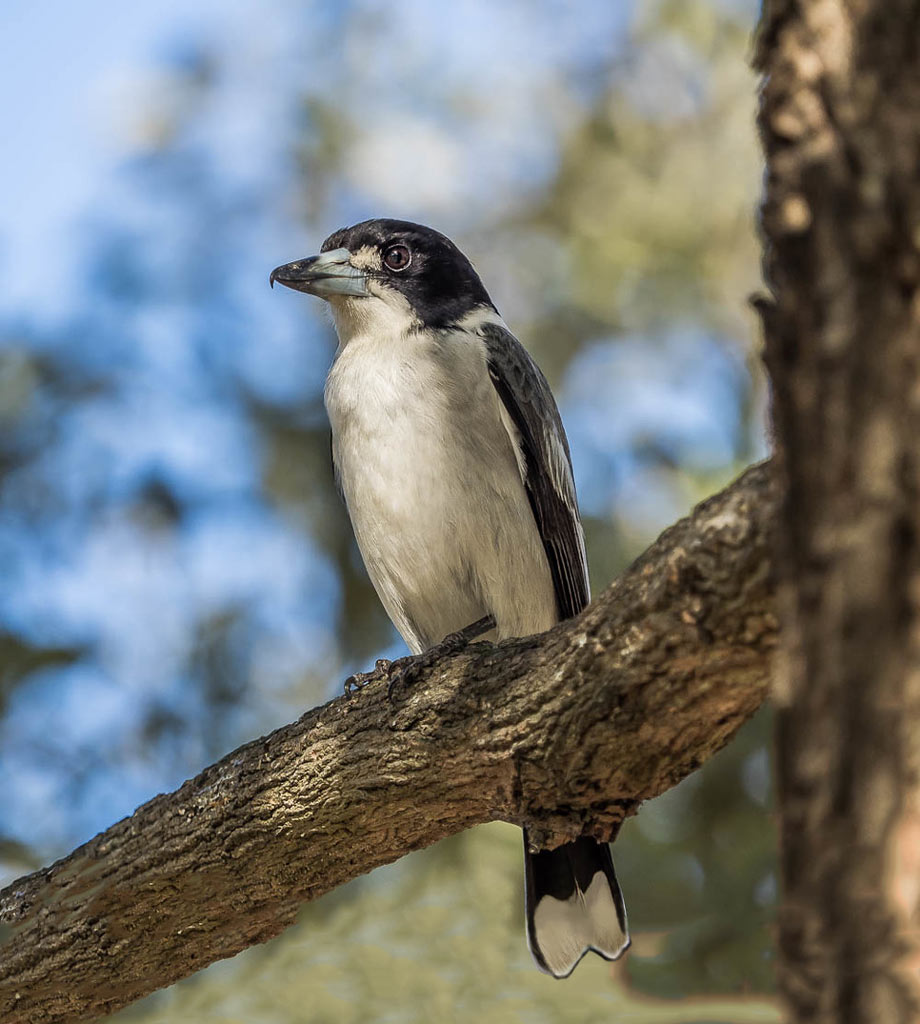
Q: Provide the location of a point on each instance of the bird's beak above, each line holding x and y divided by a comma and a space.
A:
327, 275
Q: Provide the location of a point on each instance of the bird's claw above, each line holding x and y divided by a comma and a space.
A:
409, 668
359, 680
403, 670
398, 679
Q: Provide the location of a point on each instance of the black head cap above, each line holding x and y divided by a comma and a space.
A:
423, 265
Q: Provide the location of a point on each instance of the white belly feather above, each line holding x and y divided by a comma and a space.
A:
433, 486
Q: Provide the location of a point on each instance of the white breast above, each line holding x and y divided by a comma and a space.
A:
433, 485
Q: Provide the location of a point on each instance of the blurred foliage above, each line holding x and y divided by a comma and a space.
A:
474, 966
19, 659
180, 572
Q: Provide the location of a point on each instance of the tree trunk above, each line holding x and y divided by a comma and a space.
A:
840, 122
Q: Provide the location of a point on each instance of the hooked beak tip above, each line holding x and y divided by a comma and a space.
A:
329, 275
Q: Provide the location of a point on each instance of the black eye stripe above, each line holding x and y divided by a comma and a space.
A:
439, 283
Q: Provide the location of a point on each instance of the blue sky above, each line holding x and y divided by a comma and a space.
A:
78, 78
61, 67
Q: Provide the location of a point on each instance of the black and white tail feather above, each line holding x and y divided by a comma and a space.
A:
573, 905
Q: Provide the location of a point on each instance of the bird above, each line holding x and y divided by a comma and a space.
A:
450, 453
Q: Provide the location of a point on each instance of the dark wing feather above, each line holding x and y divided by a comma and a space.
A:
335, 469
548, 479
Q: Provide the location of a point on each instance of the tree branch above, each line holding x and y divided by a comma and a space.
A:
566, 732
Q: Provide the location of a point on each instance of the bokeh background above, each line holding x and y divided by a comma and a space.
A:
178, 575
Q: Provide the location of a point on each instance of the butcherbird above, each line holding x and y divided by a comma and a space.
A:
455, 468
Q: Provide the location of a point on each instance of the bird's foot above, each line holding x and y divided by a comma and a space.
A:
383, 667
408, 669
359, 680
404, 671
454, 642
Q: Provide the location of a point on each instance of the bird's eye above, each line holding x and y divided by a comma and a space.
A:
397, 257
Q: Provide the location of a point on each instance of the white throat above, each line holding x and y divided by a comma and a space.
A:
378, 316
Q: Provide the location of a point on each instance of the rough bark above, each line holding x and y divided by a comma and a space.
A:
840, 123
566, 732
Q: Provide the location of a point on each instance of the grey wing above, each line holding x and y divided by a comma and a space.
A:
546, 464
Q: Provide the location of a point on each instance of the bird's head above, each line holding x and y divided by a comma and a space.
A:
385, 270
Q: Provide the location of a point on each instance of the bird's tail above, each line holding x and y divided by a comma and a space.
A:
573, 904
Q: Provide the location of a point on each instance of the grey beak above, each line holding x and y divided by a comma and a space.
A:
326, 275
